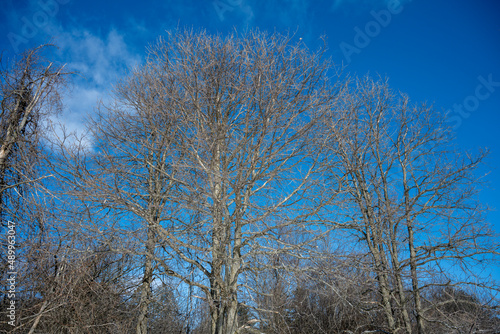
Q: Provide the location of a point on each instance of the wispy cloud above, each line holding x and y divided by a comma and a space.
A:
233, 9
97, 63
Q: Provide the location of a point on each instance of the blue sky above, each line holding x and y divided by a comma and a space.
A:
444, 52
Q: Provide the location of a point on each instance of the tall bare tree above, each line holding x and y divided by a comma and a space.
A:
29, 94
408, 196
208, 151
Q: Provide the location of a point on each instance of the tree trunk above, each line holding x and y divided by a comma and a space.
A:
414, 281
399, 283
383, 282
142, 322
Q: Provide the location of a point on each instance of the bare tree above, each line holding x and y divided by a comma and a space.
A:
63, 282
29, 93
457, 311
208, 150
408, 196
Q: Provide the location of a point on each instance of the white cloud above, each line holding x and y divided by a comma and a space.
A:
98, 63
